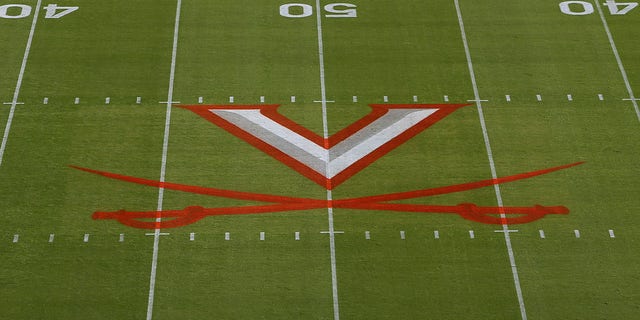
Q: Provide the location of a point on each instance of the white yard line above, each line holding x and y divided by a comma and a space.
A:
325, 127
494, 175
614, 48
16, 93
165, 146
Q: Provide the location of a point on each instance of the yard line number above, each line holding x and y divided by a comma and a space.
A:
333, 10
582, 8
19, 11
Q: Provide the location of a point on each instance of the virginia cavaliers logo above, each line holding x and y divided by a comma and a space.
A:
328, 162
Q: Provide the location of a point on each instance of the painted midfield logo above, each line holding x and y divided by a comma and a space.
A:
328, 162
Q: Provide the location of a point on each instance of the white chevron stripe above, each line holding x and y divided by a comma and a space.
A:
341, 156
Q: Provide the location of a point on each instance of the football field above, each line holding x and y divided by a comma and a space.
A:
237, 159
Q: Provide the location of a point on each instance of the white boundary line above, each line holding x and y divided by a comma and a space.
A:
16, 93
494, 175
614, 48
325, 127
165, 146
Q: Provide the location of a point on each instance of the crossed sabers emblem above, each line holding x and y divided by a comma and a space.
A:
192, 214
328, 162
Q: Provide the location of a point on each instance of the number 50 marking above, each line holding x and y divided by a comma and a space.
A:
348, 10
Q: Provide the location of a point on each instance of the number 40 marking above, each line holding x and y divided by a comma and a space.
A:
18, 11
582, 8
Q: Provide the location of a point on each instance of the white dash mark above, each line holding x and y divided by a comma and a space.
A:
107, 100
355, 98
385, 98
45, 101
261, 99
402, 235
138, 100
569, 97
86, 237
577, 233
600, 97
231, 99
446, 98
436, 234
297, 235
227, 236
192, 236
367, 235
16, 238
76, 101
472, 234
261, 235
538, 97
508, 98
121, 239
200, 99
293, 98
415, 98
51, 237
611, 234
542, 236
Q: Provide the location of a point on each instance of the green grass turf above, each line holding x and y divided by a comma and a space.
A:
246, 50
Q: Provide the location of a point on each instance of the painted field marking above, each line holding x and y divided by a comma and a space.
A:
402, 236
570, 97
541, 232
325, 130
367, 235
510, 230
623, 72
331, 232
436, 234
611, 234
227, 236
600, 97
7, 103
16, 92
472, 235
121, 238
169, 102
107, 100
138, 100
86, 237
261, 235
200, 99
231, 99
192, 236
385, 98
538, 97
355, 98
477, 100
45, 100
415, 98
16, 238
160, 234
494, 175
293, 99
297, 236
446, 98
163, 165
76, 100
508, 98
261, 99
51, 237
576, 233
